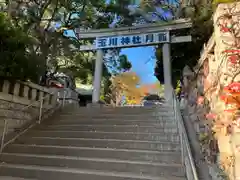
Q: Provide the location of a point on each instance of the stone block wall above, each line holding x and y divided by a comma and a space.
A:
20, 103
195, 108
212, 93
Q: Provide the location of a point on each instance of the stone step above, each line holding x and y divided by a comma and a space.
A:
101, 143
13, 178
113, 165
128, 118
113, 114
109, 128
115, 119
124, 113
117, 109
116, 112
89, 152
123, 109
160, 136
47, 173
94, 122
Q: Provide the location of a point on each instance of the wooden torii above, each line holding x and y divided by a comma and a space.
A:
134, 36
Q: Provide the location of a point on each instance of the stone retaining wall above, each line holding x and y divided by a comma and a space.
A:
212, 93
16, 96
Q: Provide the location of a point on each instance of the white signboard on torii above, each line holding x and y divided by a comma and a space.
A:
132, 40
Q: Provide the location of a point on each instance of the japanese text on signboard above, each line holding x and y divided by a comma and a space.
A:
132, 40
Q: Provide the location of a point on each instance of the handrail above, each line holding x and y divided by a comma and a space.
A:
185, 146
41, 100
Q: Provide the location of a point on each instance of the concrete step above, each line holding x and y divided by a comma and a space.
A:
13, 178
128, 109
169, 120
101, 143
160, 136
94, 122
109, 128
116, 117
98, 144
47, 173
114, 114
118, 110
123, 113
137, 167
88, 152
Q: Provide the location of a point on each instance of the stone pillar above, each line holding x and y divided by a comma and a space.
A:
46, 99
16, 89
167, 71
41, 95
25, 91
97, 76
34, 94
54, 99
6, 85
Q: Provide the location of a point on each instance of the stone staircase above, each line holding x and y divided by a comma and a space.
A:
127, 143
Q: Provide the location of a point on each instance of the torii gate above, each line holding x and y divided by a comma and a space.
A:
135, 36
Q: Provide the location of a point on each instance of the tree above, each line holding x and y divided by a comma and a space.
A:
49, 24
125, 84
116, 65
165, 10
160, 88
188, 53
39, 19
16, 62
115, 62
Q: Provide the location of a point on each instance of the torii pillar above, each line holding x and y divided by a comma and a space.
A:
166, 49
97, 76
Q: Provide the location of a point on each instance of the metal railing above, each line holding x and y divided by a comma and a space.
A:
39, 118
186, 154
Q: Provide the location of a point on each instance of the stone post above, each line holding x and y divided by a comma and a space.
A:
46, 99
25, 91
16, 89
41, 95
34, 94
97, 76
167, 71
6, 85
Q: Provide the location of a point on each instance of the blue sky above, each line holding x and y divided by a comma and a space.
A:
142, 62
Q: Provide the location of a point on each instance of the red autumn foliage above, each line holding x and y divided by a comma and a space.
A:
231, 95
211, 116
225, 29
232, 51
200, 100
234, 59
